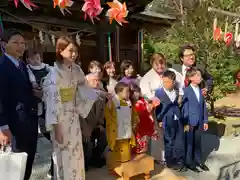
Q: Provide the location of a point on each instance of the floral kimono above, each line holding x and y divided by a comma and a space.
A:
121, 121
145, 128
64, 98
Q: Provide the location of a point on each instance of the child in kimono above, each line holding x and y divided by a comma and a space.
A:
37, 70
121, 122
195, 118
169, 118
145, 128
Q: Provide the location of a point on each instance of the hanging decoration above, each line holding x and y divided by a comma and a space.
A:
40, 34
117, 12
217, 34
63, 5
78, 40
92, 8
228, 37
53, 38
27, 3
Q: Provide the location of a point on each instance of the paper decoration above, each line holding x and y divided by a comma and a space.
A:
41, 37
117, 12
217, 34
53, 38
63, 5
78, 40
236, 30
228, 37
27, 3
92, 8
238, 41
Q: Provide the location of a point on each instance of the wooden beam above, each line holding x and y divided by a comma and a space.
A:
79, 25
227, 13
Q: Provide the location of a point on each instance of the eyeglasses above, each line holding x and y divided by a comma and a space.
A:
189, 55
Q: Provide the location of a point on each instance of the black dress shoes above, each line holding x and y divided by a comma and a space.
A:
194, 169
203, 167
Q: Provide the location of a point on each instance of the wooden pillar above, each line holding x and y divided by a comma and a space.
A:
100, 44
117, 44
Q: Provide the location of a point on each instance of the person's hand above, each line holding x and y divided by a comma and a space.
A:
109, 96
149, 108
87, 132
58, 133
204, 92
205, 126
38, 93
186, 128
101, 128
155, 102
5, 137
160, 124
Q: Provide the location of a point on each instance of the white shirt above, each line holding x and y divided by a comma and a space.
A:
151, 81
184, 70
172, 96
196, 90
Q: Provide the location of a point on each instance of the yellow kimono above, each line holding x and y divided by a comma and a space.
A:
120, 147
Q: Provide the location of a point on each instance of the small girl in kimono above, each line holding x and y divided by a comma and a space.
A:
121, 122
145, 128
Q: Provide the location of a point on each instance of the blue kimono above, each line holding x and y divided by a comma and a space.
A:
18, 108
194, 112
169, 114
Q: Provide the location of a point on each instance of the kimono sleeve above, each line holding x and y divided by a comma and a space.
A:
52, 100
145, 87
111, 124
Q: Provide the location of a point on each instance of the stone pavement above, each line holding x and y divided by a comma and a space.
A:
223, 161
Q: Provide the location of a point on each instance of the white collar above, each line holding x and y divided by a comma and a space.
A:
37, 67
194, 87
184, 67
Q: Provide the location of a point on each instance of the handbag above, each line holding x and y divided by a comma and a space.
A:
12, 165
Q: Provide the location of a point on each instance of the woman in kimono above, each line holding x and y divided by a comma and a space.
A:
61, 99
149, 83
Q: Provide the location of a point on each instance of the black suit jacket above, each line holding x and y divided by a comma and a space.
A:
18, 105
207, 77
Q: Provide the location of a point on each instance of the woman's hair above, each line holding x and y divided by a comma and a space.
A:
93, 64
61, 44
125, 65
120, 86
157, 57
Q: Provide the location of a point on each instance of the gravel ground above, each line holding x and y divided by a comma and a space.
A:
224, 162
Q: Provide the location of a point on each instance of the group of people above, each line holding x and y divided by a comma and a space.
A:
85, 116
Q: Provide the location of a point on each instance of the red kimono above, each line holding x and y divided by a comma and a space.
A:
145, 128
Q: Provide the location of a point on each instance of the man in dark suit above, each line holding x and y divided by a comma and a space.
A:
188, 60
18, 117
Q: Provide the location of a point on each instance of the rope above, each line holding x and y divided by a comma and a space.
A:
36, 27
